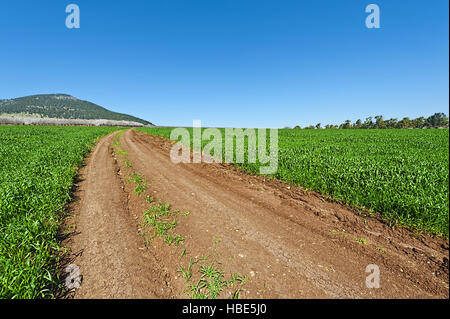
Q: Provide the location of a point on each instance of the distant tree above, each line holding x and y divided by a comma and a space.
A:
437, 120
404, 123
346, 125
379, 122
391, 123
297, 127
368, 122
318, 126
358, 124
419, 122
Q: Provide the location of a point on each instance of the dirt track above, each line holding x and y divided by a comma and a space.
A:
289, 243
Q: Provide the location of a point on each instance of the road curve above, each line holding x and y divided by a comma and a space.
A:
290, 243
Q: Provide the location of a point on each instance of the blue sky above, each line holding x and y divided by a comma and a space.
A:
232, 63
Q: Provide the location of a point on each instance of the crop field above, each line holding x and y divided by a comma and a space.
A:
37, 170
401, 174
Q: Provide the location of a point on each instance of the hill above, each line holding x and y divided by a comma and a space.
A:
61, 106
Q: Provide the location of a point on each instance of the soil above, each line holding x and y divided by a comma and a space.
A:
288, 242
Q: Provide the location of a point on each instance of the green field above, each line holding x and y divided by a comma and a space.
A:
401, 174
37, 169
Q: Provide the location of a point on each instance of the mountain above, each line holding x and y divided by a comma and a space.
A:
60, 106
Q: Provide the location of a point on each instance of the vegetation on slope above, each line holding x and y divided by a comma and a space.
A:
61, 106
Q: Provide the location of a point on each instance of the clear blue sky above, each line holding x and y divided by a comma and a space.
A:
234, 63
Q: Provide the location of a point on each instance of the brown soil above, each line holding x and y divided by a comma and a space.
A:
289, 242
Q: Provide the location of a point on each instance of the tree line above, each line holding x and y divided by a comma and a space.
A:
437, 120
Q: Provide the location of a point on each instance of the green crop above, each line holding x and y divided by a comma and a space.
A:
402, 174
37, 170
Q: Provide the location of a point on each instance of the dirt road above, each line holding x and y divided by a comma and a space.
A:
106, 245
287, 242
